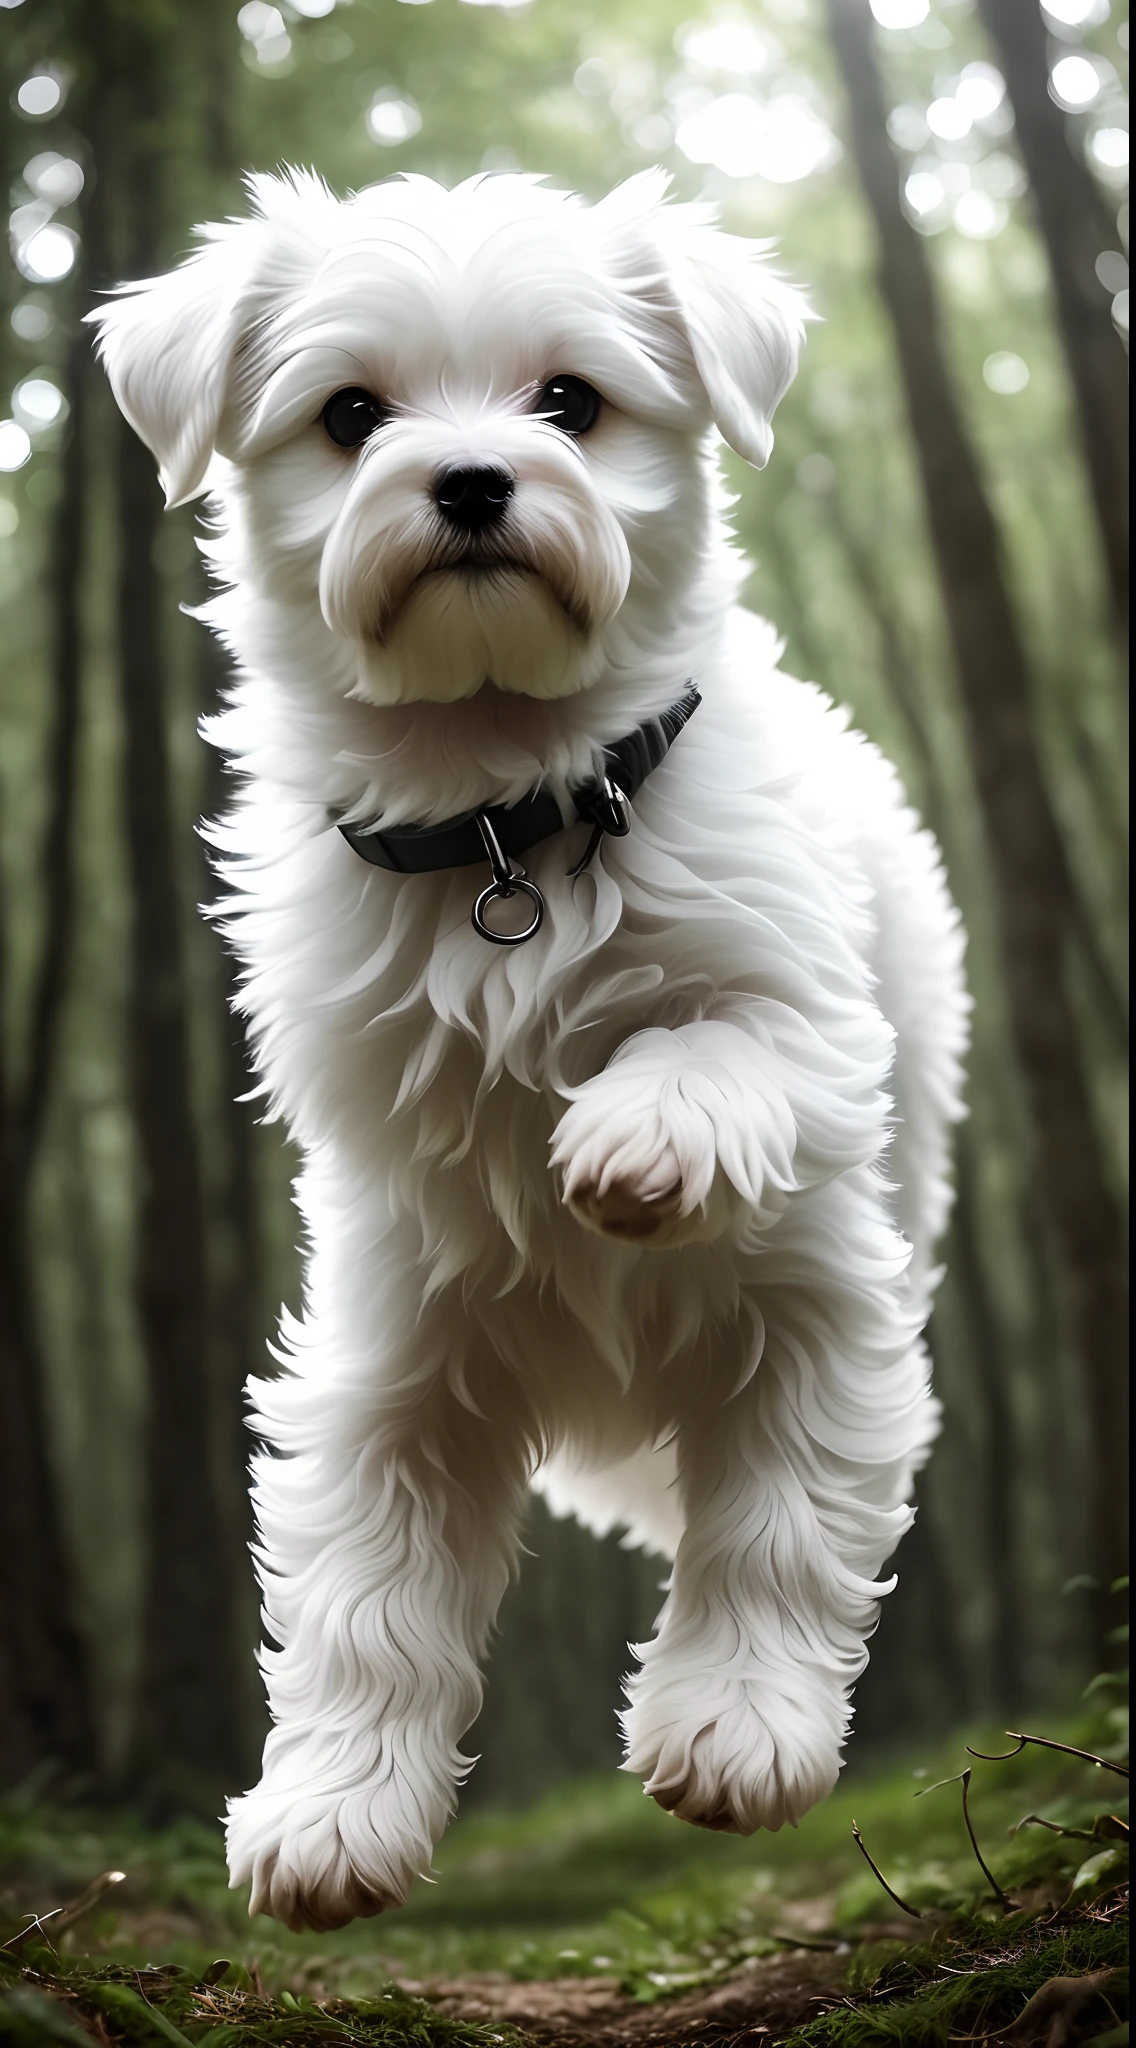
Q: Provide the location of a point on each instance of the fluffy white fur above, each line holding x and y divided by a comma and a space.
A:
698, 1054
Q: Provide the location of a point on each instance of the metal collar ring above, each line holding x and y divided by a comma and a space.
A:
509, 879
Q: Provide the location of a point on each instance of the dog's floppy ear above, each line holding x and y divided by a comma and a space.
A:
742, 324
167, 345
745, 327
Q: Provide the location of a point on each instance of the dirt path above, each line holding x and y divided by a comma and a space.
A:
1053, 1983
762, 1999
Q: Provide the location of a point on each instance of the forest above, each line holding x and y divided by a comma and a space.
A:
941, 540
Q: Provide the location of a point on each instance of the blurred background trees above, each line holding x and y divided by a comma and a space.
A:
941, 537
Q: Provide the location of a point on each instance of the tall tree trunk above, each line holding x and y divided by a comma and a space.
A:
185, 1707
45, 1705
918, 1677
45, 1713
999, 1479
986, 1339
1034, 896
186, 1721
1077, 227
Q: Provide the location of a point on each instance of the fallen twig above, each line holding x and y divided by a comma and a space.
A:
963, 1779
1103, 1763
1035, 1820
1005, 1903
65, 1916
858, 1838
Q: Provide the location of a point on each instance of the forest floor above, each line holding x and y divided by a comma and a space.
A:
593, 1920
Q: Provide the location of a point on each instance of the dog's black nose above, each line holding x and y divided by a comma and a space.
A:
473, 498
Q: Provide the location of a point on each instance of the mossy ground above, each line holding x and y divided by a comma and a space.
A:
656, 1924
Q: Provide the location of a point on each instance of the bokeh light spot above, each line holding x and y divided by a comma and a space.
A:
924, 192
1005, 373
257, 19
782, 141
38, 403
49, 254
15, 445
40, 95
1077, 13
1112, 270
1110, 147
58, 179
980, 216
948, 119
1002, 176
31, 320
981, 90
907, 127
731, 46
653, 134
900, 13
391, 119
1075, 81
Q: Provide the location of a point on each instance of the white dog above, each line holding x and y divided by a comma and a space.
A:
639, 1208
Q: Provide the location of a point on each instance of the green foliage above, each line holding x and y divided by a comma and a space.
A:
138, 2008
597, 1881
903, 1998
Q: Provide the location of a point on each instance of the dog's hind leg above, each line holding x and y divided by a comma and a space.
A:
795, 1490
386, 1540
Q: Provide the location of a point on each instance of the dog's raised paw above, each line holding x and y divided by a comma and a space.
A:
641, 1206
625, 1173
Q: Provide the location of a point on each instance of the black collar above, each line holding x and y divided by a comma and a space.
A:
600, 802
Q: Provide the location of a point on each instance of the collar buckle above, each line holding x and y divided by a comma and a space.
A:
610, 809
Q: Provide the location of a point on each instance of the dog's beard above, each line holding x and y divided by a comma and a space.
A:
462, 628
434, 613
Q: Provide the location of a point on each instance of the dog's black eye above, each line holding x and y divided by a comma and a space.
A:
350, 417
570, 404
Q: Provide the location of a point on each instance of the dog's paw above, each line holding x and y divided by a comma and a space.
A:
750, 1764
637, 1162
638, 1200
318, 1861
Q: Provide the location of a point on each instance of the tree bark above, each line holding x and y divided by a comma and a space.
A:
999, 1479
185, 1706
1076, 227
187, 1734
45, 1715
45, 1705
987, 1341
918, 1676
1035, 900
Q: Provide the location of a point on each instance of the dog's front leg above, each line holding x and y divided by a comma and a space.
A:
794, 1489
386, 1543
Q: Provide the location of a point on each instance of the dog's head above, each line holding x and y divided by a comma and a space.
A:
460, 425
